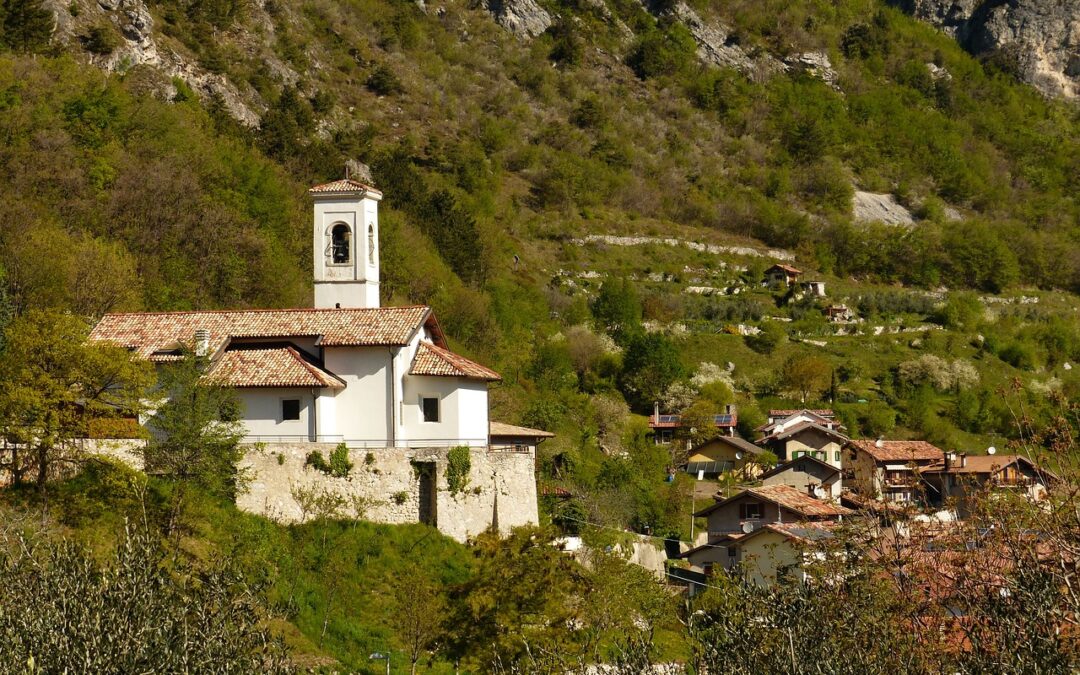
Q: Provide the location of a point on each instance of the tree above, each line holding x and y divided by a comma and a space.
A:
421, 613
617, 310
196, 432
650, 366
136, 613
766, 341
28, 24
807, 375
54, 382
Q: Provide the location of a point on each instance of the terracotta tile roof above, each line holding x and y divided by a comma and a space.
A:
803, 426
157, 335
788, 497
273, 367
804, 533
437, 361
988, 464
900, 451
828, 414
344, 185
503, 429
786, 268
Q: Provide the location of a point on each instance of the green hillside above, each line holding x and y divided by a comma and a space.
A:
589, 211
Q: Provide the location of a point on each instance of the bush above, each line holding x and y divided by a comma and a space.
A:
661, 52
384, 81
102, 38
771, 336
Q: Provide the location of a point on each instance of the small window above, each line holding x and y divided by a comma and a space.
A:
750, 510
731, 551
290, 409
371, 245
430, 407
836, 456
340, 248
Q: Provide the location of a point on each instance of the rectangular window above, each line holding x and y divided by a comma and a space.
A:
430, 407
836, 456
750, 510
290, 409
731, 551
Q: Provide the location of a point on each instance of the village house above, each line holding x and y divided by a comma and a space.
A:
665, 427
722, 455
821, 479
839, 313
781, 276
958, 477
890, 470
349, 371
791, 434
730, 520
780, 552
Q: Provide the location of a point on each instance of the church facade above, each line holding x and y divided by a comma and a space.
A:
380, 380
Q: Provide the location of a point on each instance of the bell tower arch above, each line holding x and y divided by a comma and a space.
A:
345, 241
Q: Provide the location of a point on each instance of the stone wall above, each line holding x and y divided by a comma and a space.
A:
384, 486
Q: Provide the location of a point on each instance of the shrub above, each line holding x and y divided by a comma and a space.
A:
770, 337
102, 38
458, 465
666, 51
338, 466
384, 81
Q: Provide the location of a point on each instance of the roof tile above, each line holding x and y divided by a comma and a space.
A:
436, 361
274, 367
900, 451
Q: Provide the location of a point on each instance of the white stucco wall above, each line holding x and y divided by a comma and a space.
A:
356, 283
463, 414
262, 414
362, 410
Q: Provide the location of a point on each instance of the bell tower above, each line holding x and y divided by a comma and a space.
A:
346, 244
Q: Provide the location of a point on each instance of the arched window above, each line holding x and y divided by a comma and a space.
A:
339, 244
371, 244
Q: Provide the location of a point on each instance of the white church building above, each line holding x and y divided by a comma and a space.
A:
346, 370
381, 380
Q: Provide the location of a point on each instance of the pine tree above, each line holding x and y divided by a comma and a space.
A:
28, 25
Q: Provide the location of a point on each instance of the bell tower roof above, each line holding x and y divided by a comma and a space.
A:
345, 186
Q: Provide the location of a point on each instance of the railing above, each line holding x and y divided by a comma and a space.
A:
363, 443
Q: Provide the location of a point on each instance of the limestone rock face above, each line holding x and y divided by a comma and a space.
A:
882, 208
1042, 37
524, 18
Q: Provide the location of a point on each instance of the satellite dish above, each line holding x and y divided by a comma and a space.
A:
738, 454
747, 528
991, 450
819, 492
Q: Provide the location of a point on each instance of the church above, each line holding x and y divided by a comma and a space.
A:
347, 370
380, 380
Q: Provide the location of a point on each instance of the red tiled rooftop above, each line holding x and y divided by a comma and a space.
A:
788, 497
900, 451
273, 367
436, 361
147, 333
345, 185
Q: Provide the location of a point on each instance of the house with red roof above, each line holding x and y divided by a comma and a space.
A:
959, 477
891, 471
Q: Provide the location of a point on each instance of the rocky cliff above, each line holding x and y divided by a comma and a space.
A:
1038, 39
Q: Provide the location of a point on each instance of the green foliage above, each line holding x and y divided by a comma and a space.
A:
27, 25
102, 39
197, 430
617, 310
137, 611
665, 51
458, 466
384, 82
338, 465
54, 382
650, 366
771, 336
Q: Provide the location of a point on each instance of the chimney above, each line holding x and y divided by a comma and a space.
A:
730, 408
949, 457
202, 341
963, 459
656, 412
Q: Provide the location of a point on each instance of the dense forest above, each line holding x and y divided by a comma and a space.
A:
560, 201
